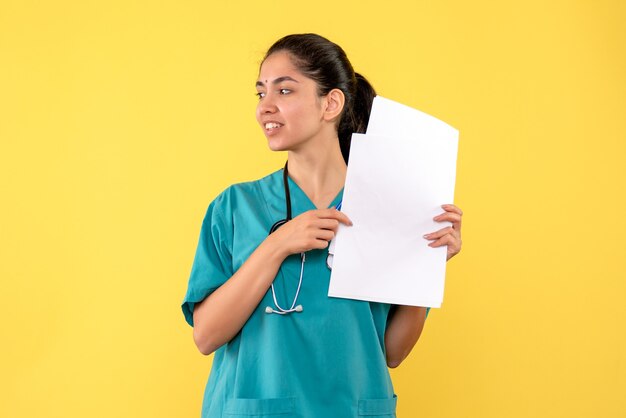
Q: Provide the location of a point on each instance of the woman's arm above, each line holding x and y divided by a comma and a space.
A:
403, 330
220, 316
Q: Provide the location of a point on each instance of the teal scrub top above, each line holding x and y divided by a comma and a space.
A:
327, 361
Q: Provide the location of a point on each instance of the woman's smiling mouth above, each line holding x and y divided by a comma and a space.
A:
272, 125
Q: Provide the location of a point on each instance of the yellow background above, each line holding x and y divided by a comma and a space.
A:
121, 120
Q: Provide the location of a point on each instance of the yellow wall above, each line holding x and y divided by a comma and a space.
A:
121, 120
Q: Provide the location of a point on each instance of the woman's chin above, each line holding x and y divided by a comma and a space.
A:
277, 145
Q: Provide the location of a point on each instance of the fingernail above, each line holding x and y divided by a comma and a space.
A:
426, 236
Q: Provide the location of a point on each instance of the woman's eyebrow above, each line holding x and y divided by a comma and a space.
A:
277, 81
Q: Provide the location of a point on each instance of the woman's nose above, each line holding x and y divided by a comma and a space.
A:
267, 105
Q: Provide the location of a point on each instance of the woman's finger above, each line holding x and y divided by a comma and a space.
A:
440, 233
333, 213
321, 244
324, 234
453, 244
324, 223
445, 240
452, 208
455, 218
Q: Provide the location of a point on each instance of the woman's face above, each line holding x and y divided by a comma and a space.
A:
290, 111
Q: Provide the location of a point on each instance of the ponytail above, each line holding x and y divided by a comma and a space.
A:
356, 115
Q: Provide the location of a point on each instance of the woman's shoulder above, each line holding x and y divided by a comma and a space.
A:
253, 186
246, 191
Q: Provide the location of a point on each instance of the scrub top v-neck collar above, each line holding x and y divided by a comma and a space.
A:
304, 199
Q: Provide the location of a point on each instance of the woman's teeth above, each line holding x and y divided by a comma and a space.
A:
272, 125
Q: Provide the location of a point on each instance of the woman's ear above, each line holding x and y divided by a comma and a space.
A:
334, 100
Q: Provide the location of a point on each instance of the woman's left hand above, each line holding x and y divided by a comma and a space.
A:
451, 235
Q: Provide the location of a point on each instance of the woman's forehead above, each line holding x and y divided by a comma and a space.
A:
278, 65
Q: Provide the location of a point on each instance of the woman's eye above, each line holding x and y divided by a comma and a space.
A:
260, 95
284, 91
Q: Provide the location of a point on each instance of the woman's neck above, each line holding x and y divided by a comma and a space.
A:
320, 172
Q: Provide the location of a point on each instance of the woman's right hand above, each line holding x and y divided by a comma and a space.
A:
308, 231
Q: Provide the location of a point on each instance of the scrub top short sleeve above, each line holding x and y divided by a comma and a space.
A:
212, 264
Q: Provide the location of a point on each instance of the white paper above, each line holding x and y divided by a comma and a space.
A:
399, 175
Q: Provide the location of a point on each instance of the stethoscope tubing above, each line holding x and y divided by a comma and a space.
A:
329, 259
279, 310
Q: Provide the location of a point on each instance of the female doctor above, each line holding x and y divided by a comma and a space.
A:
259, 300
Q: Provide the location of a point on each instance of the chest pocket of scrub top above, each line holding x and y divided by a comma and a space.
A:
381, 408
261, 408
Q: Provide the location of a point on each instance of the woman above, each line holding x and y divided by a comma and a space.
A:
260, 302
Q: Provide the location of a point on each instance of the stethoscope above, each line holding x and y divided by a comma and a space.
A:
329, 260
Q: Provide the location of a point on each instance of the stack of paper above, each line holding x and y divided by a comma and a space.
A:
400, 173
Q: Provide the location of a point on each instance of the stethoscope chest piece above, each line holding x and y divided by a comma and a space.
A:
296, 309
